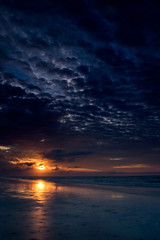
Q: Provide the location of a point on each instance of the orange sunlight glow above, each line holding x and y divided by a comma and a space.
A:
40, 186
41, 167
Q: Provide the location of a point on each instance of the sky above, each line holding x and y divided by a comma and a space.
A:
79, 87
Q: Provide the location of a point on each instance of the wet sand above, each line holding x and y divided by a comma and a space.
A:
41, 210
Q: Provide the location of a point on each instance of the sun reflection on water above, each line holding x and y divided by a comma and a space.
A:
38, 195
38, 190
43, 190
40, 186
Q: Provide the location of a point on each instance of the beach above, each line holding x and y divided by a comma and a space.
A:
46, 210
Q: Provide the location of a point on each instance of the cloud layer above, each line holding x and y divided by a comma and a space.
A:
81, 70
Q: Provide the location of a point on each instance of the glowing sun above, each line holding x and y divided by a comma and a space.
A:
41, 167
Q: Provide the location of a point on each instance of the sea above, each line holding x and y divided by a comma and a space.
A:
139, 181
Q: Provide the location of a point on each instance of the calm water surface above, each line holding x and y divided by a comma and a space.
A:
41, 210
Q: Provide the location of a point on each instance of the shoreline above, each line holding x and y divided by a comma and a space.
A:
131, 190
44, 210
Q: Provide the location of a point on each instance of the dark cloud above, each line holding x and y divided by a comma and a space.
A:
60, 155
76, 69
25, 165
